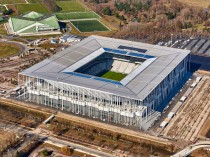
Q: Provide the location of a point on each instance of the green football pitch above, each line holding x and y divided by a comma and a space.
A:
89, 25
77, 15
70, 6
114, 76
37, 7
11, 1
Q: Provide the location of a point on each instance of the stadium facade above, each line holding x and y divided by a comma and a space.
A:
32, 23
73, 80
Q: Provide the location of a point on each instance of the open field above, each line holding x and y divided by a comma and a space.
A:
11, 1
34, 1
37, 7
6, 139
89, 26
113, 75
2, 30
7, 49
2, 8
201, 3
194, 112
77, 15
70, 6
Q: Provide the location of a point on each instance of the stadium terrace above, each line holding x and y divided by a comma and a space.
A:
113, 80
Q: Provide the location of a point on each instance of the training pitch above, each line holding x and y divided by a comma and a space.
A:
77, 15
89, 26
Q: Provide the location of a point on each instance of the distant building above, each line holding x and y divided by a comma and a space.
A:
68, 38
53, 41
33, 22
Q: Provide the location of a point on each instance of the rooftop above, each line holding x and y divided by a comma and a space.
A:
31, 19
159, 62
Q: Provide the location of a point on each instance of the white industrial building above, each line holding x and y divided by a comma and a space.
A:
70, 79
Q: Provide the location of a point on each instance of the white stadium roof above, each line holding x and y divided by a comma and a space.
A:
160, 61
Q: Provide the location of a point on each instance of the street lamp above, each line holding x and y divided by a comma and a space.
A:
171, 39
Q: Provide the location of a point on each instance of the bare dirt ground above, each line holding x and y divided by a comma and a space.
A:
191, 117
205, 131
6, 138
201, 3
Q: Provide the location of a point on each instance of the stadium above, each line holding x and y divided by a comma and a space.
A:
32, 23
116, 81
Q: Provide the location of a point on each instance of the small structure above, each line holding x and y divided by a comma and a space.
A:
68, 38
53, 41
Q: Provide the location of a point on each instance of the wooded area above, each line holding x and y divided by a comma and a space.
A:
154, 20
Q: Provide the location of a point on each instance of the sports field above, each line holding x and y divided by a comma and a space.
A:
77, 15
11, 1
37, 7
89, 26
114, 75
34, 1
70, 6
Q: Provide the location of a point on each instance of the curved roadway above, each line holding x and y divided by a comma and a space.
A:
188, 150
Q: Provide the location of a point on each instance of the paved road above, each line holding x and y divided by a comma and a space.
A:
188, 150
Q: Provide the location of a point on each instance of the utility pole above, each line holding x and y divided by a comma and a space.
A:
171, 39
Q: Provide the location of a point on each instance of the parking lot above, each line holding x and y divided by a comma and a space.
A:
193, 113
200, 46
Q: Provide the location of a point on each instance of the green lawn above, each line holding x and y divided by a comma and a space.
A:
77, 15
34, 1
11, 1
2, 30
7, 49
2, 8
89, 26
70, 6
114, 75
37, 7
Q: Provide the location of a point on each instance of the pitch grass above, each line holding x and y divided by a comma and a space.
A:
113, 76
37, 7
89, 26
70, 6
77, 15
2, 30
34, 1
11, 1
7, 49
